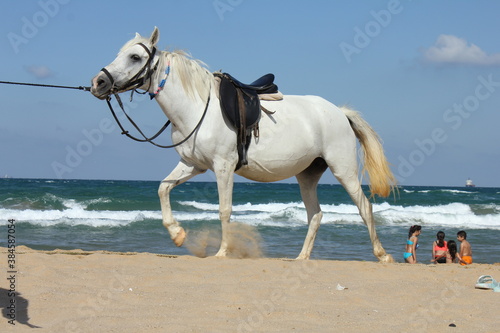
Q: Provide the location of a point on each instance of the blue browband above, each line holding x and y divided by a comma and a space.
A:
162, 82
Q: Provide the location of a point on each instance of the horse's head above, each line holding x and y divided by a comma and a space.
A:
131, 69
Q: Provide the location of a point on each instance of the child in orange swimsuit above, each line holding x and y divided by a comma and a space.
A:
465, 256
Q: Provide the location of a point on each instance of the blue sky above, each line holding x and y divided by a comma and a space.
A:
425, 74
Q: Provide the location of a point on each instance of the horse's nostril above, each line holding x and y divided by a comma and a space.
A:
101, 82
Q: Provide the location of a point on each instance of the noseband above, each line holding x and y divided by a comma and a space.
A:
138, 79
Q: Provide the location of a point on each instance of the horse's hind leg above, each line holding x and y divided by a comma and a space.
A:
308, 182
179, 175
348, 177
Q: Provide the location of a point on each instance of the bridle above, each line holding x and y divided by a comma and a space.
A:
133, 84
137, 80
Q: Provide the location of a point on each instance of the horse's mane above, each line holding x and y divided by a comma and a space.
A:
193, 73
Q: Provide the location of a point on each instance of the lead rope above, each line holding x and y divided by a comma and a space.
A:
45, 85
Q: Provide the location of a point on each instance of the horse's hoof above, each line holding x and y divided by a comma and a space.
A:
387, 258
179, 239
302, 257
221, 254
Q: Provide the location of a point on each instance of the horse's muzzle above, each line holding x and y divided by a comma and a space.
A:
101, 86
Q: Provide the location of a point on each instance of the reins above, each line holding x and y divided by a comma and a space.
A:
145, 138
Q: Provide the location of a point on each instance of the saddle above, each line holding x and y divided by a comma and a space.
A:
241, 104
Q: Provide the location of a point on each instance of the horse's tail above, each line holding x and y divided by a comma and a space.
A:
382, 181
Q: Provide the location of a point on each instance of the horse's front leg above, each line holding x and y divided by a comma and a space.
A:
179, 175
225, 180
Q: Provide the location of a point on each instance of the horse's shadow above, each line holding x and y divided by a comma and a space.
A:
21, 308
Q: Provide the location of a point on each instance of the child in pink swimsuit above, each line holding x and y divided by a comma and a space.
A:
439, 249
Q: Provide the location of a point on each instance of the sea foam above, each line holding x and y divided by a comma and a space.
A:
290, 214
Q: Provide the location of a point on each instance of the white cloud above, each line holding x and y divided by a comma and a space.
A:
449, 49
40, 72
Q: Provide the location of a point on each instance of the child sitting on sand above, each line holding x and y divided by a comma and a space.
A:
439, 249
410, 254
465, 256
451, 255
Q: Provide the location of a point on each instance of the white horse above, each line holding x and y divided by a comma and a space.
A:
303, 137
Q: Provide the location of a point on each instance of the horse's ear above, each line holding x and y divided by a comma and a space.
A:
155, 36
137, 35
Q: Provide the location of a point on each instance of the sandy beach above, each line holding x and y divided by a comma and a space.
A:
78, 291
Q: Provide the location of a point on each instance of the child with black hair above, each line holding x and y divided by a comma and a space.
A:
451, 256
439, 249
465, 255
410, 254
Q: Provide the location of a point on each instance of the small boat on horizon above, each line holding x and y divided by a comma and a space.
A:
469, 183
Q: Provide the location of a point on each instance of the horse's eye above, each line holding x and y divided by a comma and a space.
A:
135, 57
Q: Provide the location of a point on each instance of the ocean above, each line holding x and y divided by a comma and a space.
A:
125, 216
